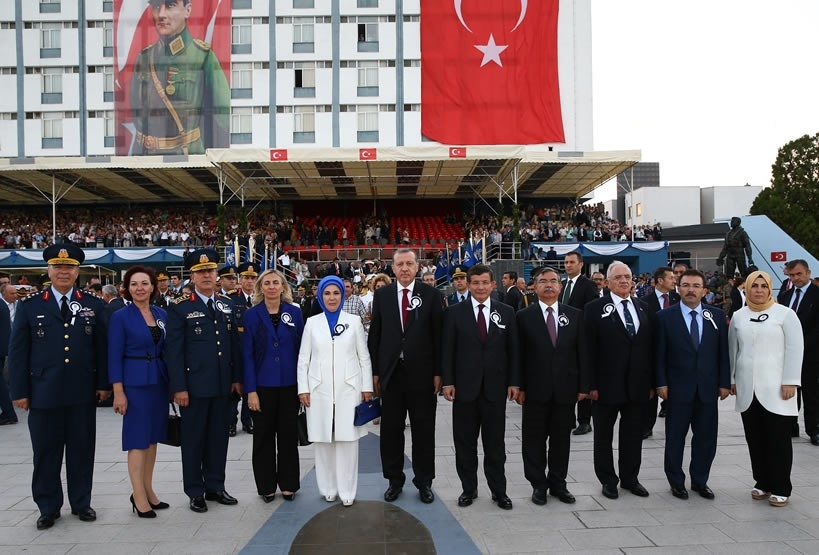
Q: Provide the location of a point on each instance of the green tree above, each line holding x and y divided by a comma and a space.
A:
793, 198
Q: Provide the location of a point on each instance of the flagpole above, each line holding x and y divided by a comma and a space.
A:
237, 254
483, 248
448, 266
266, 256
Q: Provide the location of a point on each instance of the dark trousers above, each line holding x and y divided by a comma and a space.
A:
487, 418
650, 414
584, 411
6, 408
246, 414
630, 442
769, 443
421, 406
547, 422
205, 423
808, 398
276, 427
702, 419
70, 430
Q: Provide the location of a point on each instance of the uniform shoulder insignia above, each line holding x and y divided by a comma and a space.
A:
147, 48
179, 300
32, 295
202, 44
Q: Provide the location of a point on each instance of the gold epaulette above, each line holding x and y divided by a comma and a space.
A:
181, 299
202, 44
32, 295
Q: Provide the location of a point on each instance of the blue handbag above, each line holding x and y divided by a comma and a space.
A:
367, 411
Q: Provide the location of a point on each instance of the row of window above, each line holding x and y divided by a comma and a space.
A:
55, 6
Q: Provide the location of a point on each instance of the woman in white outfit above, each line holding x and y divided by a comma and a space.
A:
765, 346
334, 376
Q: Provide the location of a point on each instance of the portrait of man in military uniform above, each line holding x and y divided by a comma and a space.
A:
179, 94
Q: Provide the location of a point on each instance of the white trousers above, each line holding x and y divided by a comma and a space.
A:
337, 469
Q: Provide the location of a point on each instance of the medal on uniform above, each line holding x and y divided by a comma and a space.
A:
89, 330
40, 333
197, 330
170, 89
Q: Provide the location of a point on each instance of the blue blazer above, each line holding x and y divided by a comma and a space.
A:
133, 357
690, 373
271, 355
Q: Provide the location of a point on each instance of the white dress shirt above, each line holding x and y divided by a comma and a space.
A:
618, 304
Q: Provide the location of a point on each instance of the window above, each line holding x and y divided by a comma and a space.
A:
50, 40
52, 85
639, 209
301, 4
108, 39
110, 129
241, 125
368, 79
49, 6
303, 34
241, 82
108, 83
367, 3
367, 35
108, 6
367, 123
242, 4
241, 36
305, 80
53, 130
304, 124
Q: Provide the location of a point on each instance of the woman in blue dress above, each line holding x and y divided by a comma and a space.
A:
136, 338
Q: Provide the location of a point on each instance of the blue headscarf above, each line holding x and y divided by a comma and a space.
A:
332, 317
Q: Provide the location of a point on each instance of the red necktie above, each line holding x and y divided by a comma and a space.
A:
550, 325
481, 324
405, 308
665, 300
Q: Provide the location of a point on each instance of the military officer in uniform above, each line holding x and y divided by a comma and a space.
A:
58, 366
180, 98
242, 300
204, 368
460, 284
227, 280
164, 295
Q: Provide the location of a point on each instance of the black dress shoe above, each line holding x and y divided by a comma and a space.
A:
47, 521
638, 490
610, 491
704, 491
539, 496
86, 515
648, 434
159, 506
814, 439
465, 499
679, 492
221, 497
563, 495
392, 493
268, 497
198, 505
582, 429
247, 429
503, 501
232, 430
426, 495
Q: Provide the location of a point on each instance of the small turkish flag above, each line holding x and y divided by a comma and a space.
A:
457, 152
779, 256
278, 154
366, 154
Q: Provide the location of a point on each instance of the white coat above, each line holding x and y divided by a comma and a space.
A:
334, 371
766, 353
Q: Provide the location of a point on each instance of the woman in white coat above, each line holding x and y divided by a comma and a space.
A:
765, 346
334, 376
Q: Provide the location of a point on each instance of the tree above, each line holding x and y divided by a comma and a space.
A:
792, 200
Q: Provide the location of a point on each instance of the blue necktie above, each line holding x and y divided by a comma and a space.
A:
695, 330
632, 331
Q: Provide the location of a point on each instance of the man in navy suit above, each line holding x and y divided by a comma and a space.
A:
7, 414
204, 368
480, 371
692, 371
58, 365
620, 341
242, 300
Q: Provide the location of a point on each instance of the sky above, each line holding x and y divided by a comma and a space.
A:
710, 89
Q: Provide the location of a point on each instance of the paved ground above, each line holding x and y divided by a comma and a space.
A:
732, 523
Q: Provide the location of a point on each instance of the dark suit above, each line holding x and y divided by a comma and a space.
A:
552, 376
453, 299
513, 297
737, 301
808, 313
405, 363
654, 306
113, 305
693, 377
58, 365
584, 291
204, 359
621, 373
6, 408
481, 372
241, 304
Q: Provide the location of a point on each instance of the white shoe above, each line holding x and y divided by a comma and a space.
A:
758, 494
347, 502
778, 500
330, 498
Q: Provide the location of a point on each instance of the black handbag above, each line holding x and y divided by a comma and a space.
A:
174, 438
301, 427
367, 411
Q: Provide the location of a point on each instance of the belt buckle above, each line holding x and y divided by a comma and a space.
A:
150, 142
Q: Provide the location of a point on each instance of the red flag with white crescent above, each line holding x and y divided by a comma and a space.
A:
489, 72
779, 256
366, 154
457, 152
278, 155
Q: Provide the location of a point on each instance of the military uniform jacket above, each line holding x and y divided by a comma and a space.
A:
58, 363
240, 306
202, 352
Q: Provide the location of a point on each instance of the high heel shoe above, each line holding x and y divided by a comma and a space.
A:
140, 514
268, 497
159, 506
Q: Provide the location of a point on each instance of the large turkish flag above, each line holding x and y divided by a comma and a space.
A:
489, 72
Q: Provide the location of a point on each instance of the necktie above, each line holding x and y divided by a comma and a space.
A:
632, 331
567, 292
460, 298
695, 330
665, 300
795, 304
481, 324
211, 309
550, 325
64, 308
405, 308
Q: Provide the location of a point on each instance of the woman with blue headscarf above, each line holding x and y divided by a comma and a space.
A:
334, 376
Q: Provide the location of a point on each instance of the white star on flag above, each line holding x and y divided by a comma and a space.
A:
491, 51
